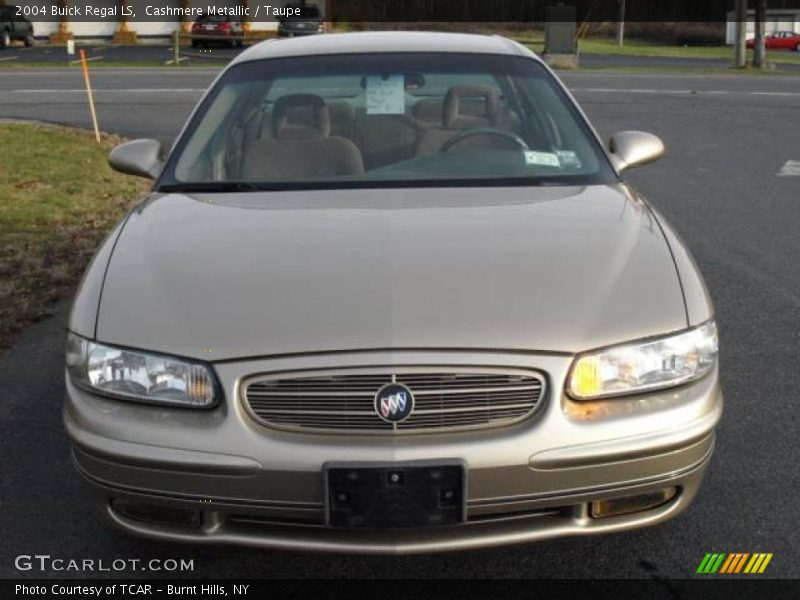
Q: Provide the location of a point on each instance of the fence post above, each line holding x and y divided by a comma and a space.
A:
177, 47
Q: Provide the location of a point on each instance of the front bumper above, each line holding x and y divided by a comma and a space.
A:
235, 481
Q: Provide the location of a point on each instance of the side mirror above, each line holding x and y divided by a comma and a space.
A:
635, 148
141, 158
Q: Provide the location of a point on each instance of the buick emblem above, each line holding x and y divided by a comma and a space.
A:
394, 402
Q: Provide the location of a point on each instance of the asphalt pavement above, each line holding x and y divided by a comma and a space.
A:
158, 53
725, 185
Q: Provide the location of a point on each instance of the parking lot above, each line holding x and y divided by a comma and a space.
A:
101, 54
162, 52
728, 184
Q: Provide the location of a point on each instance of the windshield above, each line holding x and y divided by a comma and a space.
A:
386, 120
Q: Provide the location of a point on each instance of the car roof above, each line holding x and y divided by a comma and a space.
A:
383, 41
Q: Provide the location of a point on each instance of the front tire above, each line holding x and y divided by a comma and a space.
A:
5, 39
29, 40
797, 48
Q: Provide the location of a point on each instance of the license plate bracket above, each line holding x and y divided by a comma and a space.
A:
395, 494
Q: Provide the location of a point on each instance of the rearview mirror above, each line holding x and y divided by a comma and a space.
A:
141, 158
635, 148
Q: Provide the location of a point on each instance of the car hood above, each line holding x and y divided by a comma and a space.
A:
220, 276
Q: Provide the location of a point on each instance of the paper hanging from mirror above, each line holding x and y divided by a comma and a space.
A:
385, 95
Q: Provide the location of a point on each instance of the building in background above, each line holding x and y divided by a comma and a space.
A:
140, 30
777, 20
779, 17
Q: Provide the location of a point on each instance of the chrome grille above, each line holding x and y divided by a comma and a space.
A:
344, 402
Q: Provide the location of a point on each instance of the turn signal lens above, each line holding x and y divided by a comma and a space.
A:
630, 504
586, 377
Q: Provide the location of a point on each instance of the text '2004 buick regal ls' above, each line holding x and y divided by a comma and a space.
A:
389, 295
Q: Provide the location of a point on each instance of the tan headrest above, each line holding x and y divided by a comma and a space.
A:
301, 116
454, 116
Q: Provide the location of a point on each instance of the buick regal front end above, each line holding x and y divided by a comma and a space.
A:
390, 294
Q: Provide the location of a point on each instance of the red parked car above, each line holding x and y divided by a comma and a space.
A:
219, 29
780, 40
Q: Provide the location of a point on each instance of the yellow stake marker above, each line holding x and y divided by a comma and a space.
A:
85, 69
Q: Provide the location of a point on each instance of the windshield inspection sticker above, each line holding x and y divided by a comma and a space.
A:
386, 94
569, 159
544, 159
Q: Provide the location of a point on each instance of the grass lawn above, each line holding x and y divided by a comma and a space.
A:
644, 48
58, 198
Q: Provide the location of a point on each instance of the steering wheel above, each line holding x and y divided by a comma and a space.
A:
459, 137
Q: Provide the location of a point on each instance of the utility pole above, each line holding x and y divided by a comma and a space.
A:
621, 23
759, 47
740, 40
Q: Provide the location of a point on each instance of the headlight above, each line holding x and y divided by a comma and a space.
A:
644, 366
139, 376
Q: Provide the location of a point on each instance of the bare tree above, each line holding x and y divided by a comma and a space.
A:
621, 23
759, 49
739, 46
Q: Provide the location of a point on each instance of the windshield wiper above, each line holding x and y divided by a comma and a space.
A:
211, 186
